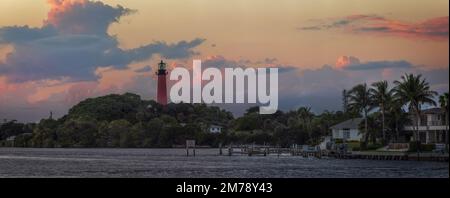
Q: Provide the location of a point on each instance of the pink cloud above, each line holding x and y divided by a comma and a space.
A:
388, 73
82, 16
58, 7
435, 28
430, 29
344, 61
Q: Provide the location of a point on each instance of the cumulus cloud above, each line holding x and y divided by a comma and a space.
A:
371, 65
345, 61
430, 29
83, 16
353, 63
221, 62
341, 22
23, 34
73, 42
144, 69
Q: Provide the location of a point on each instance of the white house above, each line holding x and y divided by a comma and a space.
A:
347, 130
11, 138
215, 128
432, 126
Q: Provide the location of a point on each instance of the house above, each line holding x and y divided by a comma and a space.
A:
432, 126
347, 130
215, 128
11, 138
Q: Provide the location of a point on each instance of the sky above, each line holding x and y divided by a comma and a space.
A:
55, 53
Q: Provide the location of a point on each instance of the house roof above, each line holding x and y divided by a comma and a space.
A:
215, 125
348, 124
432, 111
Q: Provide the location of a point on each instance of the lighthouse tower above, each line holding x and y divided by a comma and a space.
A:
162, 87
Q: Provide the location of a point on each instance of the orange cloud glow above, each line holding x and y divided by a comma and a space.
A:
58, 7
345, 61
434, 28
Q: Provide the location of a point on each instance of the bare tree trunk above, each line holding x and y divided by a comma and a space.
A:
366, 127
382, 124
418, 135
397, 131
446, 126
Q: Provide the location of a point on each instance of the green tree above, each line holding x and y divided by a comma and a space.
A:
305, 115
14, 128
44, 134
360, 100
443, 102
102, 137
414, 91
382, 95
397, 117
77, 133
109, 108
151, 136
117, 130
374, 124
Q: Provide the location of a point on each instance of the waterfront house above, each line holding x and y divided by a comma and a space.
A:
215, 128
11, 138
432, 126
347, 130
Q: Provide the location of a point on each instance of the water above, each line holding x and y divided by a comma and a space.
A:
32, 162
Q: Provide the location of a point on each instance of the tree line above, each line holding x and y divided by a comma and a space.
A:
128, 121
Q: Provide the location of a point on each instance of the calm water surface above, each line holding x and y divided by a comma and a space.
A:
32, 162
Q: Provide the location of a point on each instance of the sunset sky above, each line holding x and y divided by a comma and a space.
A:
55, 53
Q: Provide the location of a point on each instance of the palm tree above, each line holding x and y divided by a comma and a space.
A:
306, 116
359, 99
414, 91
397, 116
345, 100
381, 95
443, 101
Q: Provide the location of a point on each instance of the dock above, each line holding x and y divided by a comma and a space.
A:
393, 156
315, 152
264, 150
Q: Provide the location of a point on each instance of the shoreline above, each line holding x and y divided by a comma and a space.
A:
364, 155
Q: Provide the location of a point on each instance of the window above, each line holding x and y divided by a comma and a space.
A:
346, 134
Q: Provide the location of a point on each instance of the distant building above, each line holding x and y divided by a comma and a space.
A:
215, 128
161, 96
432, 127
11, 138
347, 130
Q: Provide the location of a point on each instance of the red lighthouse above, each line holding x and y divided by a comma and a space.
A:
162, 87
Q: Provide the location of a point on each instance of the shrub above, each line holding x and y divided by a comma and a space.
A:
423, 147
374, 146
356, 149
338, 141
368, 147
